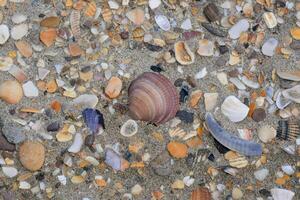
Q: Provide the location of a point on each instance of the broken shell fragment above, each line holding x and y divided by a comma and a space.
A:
201, 193
295, 32
48, 36
206, 48
11, 92
163, 22
4, 33
113, 159
50, 22
288, 130
129, 128
77, 144
19, 31
234, 109
183, 54
93, 119
153, 98
24, 48
236, 30
113, 87
177, 150
292, 75
269, 47
137, 16
270, 19
292, 93
266, 133
237, 144
211, 12
6, 63
279, 194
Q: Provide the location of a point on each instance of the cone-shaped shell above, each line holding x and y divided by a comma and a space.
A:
152, 98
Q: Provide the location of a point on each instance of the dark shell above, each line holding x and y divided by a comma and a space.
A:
201, 193
211, 12
93, 118
153, 98
288, 130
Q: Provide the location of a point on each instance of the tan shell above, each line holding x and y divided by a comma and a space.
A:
32, 155
152, 98
91, 9
11, 91
75, 23
201, 193
24, 48
107, 14
183, 53
113, 87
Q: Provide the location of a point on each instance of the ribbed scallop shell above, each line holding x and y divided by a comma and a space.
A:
152, 98
201, 193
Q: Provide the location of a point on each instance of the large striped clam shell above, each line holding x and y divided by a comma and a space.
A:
152, 98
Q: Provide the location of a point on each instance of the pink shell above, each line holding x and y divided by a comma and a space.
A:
153, 98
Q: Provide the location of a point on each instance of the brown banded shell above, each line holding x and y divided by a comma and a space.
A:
183, 54
152, 98
201, 193
107, 14
288, 130
138, 34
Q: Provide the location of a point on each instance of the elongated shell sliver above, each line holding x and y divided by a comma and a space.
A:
247, 148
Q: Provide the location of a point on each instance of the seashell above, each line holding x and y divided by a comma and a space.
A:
163, 22
211, 12
113, 159
114, 87
26, 152
279, 194
9, 172
270, 19
178, 132
152, 98
69, 3
19, 31
77, 144
50, 22
183, 54
136, 16
210, 100
292, 93
269, 47
94, 120
138, 34
245, 134
129, 128
48, 36
4, 33
214, 29
295, 33
249, 83
177, 150
91, 9
201, 193
85, 101
239, 162
6, 63
237, 144
154, 4
77, 179
3, 3
11, 92
266, 133
18, 18
292, 75
107, 14
234, 109
206, 48
18, 73
24, 48
30, 90
236, 30
288, 130
282, 102
75, 23
75, 49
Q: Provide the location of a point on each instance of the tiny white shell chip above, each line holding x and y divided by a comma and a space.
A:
4, 33
129, 128
77, 144
269, 47
201, 74
30, 90
236, 30
163, 22
62, 179
18, 18
19, 31
154, 4
280, 194
10, 172
234, 109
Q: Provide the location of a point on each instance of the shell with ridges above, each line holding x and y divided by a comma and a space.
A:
201, 193
183, 53
152, 98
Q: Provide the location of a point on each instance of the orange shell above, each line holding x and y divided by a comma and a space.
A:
201, 193
48, 36
91, 9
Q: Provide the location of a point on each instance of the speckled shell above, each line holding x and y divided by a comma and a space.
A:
152, 98
201, 193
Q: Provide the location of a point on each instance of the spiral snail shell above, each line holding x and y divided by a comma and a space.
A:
152, 98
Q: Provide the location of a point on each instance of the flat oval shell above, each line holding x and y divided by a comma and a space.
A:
4, 33
163, 22
234, 109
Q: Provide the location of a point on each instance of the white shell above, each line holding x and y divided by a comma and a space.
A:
234, 109
261, 174
237, 83
269, 47
4, 33
19, 31
86, 101
92, 160
210, 101
163, 22
154, 4
30, 90
292, 93
266, 133
270, 19
280, 194
10, 171
288, 169
249, 83
6, 63
236, 30
129, 128
206, 48
281, 101
18, 18
77, 144
186, 24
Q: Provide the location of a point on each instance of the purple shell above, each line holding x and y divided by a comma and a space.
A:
93, 119
113, 159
